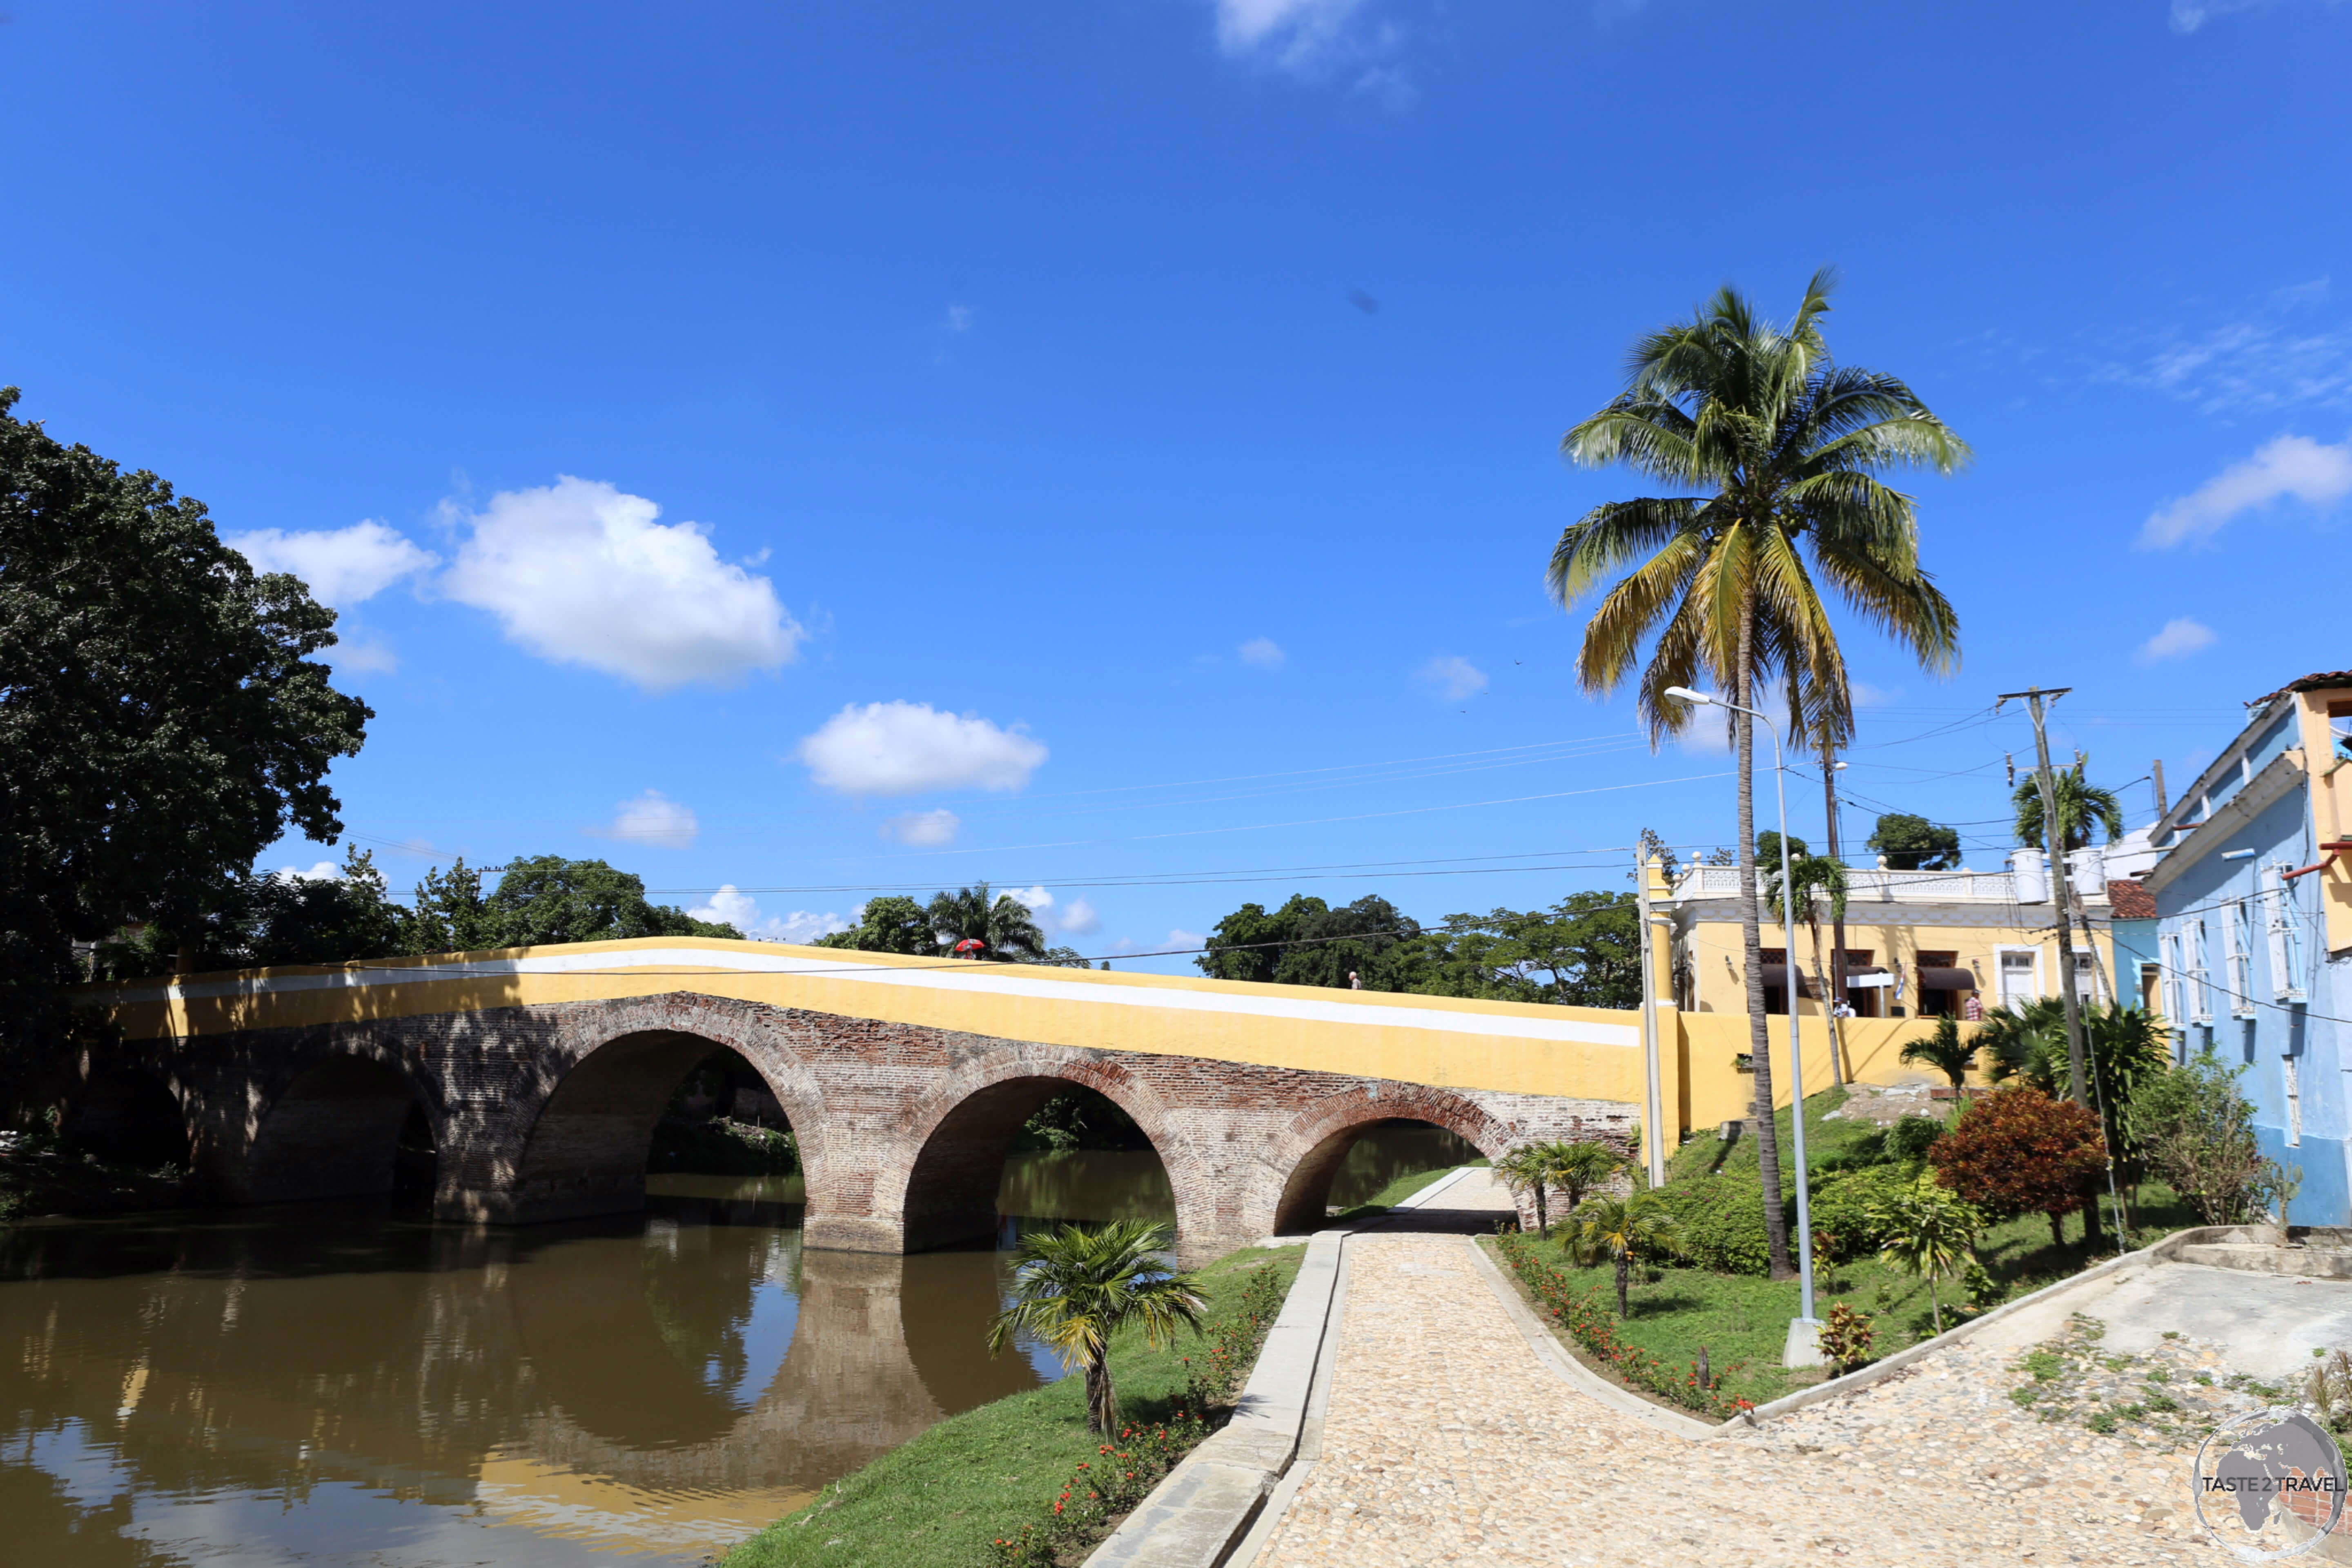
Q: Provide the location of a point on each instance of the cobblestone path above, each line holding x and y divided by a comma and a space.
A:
1448, 1442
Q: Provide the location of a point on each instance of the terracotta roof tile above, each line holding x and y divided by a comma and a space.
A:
2308, 683
2130, 901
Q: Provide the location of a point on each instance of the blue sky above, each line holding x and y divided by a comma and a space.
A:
1110, 447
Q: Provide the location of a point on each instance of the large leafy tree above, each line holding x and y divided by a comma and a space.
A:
1583, 952
1915, 844
2081, 805
162, 719
892, 923
1309, 942
543, 898
1777, 451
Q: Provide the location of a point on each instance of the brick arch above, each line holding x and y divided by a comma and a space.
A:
1306, 1154
587, 1110
943, 1187
329, 1125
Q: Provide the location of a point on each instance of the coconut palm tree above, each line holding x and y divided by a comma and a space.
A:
997, 919
1781, 448
2080, 806
1074, 1288
1818, 880
1626, 1229
1944, 1050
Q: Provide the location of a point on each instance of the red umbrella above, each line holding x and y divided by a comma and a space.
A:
971, 946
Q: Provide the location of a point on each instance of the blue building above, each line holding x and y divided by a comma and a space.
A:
2253, 905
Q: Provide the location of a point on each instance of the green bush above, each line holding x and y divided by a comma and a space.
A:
1912, 1136
1842, 1206
1719, 1225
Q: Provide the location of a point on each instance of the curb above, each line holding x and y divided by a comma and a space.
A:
1200, 1514
1550, 1351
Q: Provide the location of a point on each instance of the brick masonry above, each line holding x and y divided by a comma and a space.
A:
545, 1112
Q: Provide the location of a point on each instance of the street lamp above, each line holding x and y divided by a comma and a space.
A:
1804, 1343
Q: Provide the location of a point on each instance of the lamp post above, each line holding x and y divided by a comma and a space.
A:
1803, 1347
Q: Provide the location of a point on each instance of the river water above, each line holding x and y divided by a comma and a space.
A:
336, 1384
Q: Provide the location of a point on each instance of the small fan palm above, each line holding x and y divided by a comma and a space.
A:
1075, 1287
1574, 1168
1626, 1229
1944, 1050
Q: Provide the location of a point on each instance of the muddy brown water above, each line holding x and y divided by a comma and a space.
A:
336, 1384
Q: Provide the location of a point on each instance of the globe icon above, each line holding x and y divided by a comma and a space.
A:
2269, 1485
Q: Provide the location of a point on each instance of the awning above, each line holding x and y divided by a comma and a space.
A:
1778, 974
1947, 979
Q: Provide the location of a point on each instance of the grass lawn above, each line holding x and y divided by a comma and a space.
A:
1396, 1192
1744, 1318
938, 1500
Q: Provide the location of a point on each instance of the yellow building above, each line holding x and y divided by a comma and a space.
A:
1917, 943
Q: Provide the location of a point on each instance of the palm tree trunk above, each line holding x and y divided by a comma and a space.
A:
1934, 1308
1624, 1268
1543, 1221
1759, 1033
1102, 1402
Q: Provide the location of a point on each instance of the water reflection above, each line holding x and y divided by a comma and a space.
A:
333, 1383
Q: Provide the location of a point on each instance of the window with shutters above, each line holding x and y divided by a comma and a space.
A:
2285, 949
2200, 974
2237, 938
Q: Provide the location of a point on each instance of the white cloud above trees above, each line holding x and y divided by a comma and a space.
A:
341, 566
1262, 652
2179, 638
908, 748
732, 906
655, 819
580, 572
1452, 678
922, 829
2298, 466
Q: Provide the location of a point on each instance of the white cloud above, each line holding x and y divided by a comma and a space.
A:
1176, 940
2291, 466
325, 871
1709, 733
365, 656
1865, 695
959, 318
1079, 918
655, 819
1452, 676
1076, 918
907, 748
1292, 31
2178, 639
730, 906
922, 829
343, 567
2188, 16
579, 573
1262, 652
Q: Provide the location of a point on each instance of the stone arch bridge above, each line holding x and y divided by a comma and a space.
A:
541, 1072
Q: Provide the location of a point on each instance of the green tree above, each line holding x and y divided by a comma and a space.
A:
1571, 1167
1724, 587
1929, 1232
893, 923
1583, 952
2197, 1130
1944, 1050
1914, 844
2081, 807
1074, 1288
2017, 1150
1627, 1231
999, 919
162, 719
263, 919
545, 899
1817, 879
1309, 942
449, 912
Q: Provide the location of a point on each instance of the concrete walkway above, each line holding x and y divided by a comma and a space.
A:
1445, 1440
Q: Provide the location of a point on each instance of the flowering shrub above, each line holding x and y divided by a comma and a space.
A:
1119, 1476
2017, 1150
1122, 1474
1591, 1324
1845, 1339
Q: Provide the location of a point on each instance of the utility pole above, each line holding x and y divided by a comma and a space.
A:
2156, 771
1653, 1138
2061, 900
1837, 922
